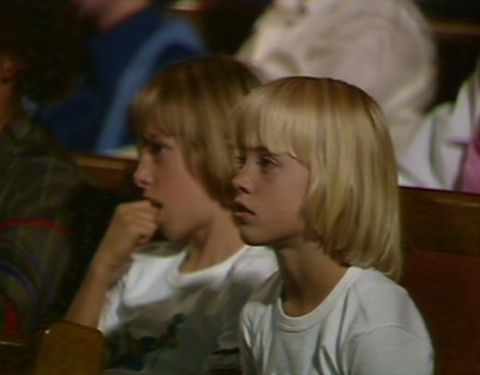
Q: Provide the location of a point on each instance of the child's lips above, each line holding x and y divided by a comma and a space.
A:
242, 212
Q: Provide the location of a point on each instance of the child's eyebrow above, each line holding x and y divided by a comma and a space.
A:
149, 138
265, 151
259, 149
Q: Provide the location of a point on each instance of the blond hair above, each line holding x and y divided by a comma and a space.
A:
192, 102
339, 133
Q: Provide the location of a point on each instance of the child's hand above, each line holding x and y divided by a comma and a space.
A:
133, 225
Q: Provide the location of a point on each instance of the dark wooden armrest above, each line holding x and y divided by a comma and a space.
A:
15, 354
69, 348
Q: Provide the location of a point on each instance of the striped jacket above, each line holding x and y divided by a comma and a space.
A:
37, 181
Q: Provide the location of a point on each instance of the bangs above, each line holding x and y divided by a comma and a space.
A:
148, 115
273, 122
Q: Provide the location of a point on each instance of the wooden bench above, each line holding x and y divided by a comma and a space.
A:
442, 272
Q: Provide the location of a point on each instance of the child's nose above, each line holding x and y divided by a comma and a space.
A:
242, 182
142, 176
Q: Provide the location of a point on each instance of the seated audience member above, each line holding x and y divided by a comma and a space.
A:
133, 39
383, 47
172, 307
334, 306
37, 180
444, 151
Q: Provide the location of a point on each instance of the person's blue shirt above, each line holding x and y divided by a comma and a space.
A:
120, 61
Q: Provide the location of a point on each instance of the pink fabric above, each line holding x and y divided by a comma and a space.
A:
469, 180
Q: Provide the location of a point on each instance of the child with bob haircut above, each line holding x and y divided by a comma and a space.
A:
173, 308
316, 181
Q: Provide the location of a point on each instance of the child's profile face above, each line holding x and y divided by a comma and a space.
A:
162, 173
270, 190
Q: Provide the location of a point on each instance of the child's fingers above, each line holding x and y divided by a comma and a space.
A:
133, 225
129, 216
142, 208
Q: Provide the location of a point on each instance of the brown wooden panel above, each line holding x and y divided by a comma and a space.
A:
441, 220
69, 348
446, 288
15, 355
107, 172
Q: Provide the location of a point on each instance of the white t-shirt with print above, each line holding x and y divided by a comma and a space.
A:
159, 320
367, 325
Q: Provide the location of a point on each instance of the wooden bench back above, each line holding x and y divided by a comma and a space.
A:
442, 272
438, 220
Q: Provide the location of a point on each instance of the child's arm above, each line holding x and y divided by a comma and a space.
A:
133, 225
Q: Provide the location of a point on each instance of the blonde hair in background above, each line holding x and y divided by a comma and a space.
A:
192, 102
339, 133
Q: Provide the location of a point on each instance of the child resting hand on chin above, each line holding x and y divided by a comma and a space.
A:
316, 181
174, 309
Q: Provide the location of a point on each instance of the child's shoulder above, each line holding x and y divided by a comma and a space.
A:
379, 300
372, 285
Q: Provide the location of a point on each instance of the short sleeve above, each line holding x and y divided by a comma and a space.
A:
388, 350
112, 320
113, 313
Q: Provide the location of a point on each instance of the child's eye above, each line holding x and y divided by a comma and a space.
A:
266, 163
157, 148
240, 161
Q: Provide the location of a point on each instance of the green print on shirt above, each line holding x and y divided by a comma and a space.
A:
134, 359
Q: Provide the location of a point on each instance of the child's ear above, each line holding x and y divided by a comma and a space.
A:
10, 68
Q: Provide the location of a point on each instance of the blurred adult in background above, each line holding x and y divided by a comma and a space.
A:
37, 178
130, 41
381, 46
444, 152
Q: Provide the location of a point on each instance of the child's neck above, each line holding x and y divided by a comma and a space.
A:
309, 276
213, 244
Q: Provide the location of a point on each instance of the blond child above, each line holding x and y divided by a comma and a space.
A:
175, 309
317, 182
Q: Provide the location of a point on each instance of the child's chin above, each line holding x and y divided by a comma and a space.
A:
253, 240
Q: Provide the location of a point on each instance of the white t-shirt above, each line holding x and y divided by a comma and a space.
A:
367, 325
159, 320
381, 46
